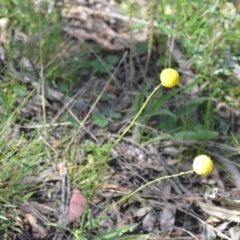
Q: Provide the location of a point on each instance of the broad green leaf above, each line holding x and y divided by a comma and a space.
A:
159, 112
185, 135
20, 90
232, 35
160, 100
194, 16
166, 17
195, 135
114, 233
161, 137
99, 66
114, 115
99, 119
156, 102
141, 97
168, 30
112, 59
27, 196
142, 46
167, 124
104, 98
192, 105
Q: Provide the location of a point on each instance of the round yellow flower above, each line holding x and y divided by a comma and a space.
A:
203, 165
169, 77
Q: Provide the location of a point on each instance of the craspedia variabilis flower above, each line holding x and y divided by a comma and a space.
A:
203, 165
169, 77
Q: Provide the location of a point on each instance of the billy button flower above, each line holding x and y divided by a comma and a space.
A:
169, 78
203, 165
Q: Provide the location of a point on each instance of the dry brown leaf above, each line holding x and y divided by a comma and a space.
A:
149, 220
168, 218
35, 224
232, 169
234, 233
142, 211
209, 233
222, 227
76, 206
220, 212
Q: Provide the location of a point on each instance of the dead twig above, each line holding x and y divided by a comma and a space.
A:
224, 200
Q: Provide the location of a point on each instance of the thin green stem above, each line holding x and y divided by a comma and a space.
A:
137, 115
140, 188
149, 183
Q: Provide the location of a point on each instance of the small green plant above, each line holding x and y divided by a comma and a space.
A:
107, 66
117, 233
101, 118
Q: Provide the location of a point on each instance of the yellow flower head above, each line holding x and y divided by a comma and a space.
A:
203, 165
169, 77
